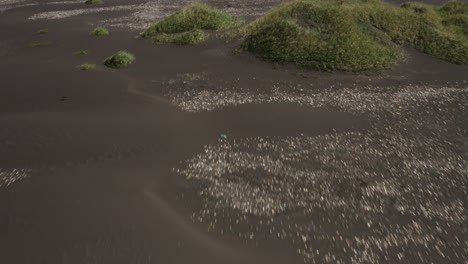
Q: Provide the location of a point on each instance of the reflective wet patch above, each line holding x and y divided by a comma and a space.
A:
10, 176
395, 193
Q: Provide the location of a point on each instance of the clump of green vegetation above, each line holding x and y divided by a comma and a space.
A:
100, 31
355, 35
192, 37
43, 31
40, 44
188, 24
81, 53
119, 60
318, 35
457, 23
455, 16
424, 31
455, 8
92, 2
87, 67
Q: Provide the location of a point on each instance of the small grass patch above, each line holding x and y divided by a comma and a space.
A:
81, 53
187, 25
43, 31
87, 67
100, 31
40, 44
191, 37
356, 35
92, 2
455, 8
119, 60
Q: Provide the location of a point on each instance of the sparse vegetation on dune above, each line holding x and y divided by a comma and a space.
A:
100, 31
81, 53
92, 2
186, 25
352, 35
191, 37
40, 44
119, 60
356, 35
87, 67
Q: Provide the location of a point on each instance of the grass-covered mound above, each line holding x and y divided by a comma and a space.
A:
43, 31
429, 29
356, 35
100, 31
455, 16
186, 25
92, 2
119, 60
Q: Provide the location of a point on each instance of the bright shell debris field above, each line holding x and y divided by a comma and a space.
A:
345, 197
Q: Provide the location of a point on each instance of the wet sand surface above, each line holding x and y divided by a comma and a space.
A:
126, 166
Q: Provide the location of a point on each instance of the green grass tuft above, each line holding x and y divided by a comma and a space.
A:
92, 2
455, 17
457, 23
40, 44
188, 22
87, 67
192, 37
43, 31
455, 8
100, 31
119, 60
356, 35
81, 53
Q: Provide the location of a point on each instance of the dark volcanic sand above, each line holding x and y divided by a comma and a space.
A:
94, 165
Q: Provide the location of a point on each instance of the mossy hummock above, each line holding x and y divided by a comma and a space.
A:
186, 26
100, 31
119, 60
356, 35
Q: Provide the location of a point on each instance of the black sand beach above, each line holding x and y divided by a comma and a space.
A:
127, 166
